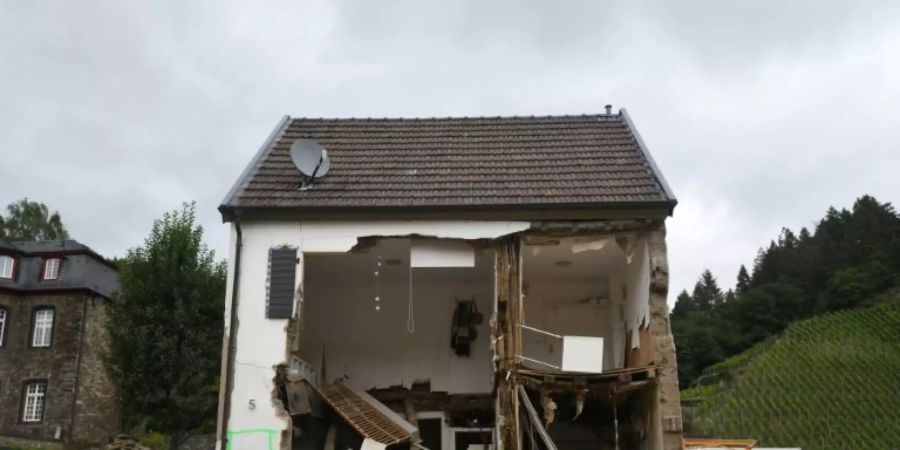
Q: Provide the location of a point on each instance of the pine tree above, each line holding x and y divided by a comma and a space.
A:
684, 305
707, 292
743, 280
729, 296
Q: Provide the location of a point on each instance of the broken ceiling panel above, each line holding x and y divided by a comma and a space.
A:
446, 253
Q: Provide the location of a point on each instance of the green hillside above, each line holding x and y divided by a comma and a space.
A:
830, 382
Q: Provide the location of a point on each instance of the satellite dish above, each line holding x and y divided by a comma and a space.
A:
311, 159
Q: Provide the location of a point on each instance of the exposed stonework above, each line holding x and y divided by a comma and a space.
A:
58, 365
668, 396
96, 408
568, 227
6, 441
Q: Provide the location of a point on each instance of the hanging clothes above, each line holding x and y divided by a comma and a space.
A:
462, 331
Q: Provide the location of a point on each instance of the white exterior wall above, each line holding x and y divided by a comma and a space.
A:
261, 342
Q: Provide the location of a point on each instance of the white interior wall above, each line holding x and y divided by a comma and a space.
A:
600, 269
374, 348
554, 307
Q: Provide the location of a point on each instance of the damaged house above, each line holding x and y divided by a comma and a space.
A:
449, 284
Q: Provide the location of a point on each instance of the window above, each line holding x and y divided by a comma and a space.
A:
7, 264
51, 269
2, 324
42, 327
282, 283
33, 403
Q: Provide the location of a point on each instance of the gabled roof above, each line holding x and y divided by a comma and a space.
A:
457, 164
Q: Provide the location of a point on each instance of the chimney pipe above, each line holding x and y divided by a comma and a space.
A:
608, 110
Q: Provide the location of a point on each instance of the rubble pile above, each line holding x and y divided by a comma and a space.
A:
122, 442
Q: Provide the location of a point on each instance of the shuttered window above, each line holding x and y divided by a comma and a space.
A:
282, 280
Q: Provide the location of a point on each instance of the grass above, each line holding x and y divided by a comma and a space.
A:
830, 382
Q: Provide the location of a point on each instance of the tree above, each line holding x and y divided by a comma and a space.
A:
846, 261
684, 305
166, 328
730, 296
31, 221
707, 292
743, 280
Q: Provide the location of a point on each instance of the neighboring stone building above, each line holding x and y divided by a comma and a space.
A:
54, 390
460, 283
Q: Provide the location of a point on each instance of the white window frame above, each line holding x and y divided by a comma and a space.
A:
42, 333
7, 267
3, 316
455, 430
35, 402
51, 269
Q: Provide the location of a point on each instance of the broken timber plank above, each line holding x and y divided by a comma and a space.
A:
366, 415
535, 421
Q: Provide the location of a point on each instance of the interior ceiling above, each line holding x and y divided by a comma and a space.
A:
540, 261
359, 265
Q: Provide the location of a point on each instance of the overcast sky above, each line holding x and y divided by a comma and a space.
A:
761, 115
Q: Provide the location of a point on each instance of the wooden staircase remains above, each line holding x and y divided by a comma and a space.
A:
371, 418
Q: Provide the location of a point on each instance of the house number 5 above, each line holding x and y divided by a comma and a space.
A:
252, 404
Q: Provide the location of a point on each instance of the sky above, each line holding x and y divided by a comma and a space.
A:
761, 114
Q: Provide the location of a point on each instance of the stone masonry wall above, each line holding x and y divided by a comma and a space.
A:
57, 365
96, 409
667, 387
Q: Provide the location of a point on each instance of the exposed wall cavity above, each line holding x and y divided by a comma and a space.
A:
586, 286
372, 320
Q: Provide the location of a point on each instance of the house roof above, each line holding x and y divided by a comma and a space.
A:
54, 247
82, 268
457, 164
58, 245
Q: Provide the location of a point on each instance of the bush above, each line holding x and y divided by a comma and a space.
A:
154, 440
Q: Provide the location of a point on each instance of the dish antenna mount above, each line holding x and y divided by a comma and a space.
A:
311, 159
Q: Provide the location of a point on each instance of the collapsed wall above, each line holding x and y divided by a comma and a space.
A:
267, 371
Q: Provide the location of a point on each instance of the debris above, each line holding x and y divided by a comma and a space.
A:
122, 442
580, 398
371, 418
549, 407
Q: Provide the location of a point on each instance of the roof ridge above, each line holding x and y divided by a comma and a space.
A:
441, 118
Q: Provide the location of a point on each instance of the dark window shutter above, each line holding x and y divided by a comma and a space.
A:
282, 278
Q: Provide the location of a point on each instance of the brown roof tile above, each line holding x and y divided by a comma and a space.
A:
483, 162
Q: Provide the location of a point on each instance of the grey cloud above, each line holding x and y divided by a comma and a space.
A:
761, 114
